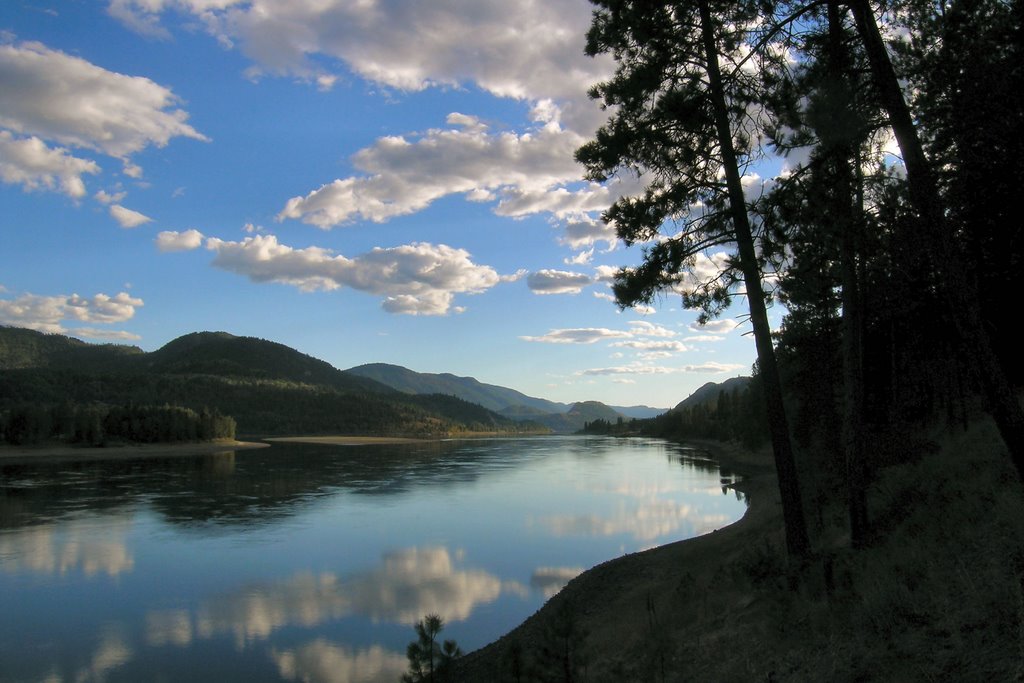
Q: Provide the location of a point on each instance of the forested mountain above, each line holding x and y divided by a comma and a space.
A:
710, 391
21, 348
268, 388
488, 395
508, 402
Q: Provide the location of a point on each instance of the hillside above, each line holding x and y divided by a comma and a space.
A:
21, 348
267, 387
489, 396
709, 392
509, 402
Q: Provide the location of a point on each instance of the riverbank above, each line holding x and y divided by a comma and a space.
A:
632, 618
937, 593
346, 440
65, 453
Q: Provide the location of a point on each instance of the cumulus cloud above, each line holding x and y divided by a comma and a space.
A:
127, 218
171, 240
584, 335
30, 163
714, 367
531, 50
110, 335
56, 96
647, 369
403, 176
417, 279
644, 328
46, 313
632, 369
104, 197
557, 282
651, 345
703, 338
716, 327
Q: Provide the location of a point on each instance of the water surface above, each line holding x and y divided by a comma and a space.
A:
311, 562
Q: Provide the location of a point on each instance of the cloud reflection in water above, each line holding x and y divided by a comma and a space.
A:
90, 548
324, 662
408, 584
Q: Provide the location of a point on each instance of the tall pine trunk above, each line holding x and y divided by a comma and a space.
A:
959, 292
842, 155
797, 542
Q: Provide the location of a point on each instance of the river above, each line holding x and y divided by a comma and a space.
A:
312, 562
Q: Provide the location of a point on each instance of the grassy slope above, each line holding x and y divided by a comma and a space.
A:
936, 597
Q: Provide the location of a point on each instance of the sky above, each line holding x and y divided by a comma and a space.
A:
363, 180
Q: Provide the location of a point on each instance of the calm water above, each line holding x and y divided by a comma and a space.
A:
311, 563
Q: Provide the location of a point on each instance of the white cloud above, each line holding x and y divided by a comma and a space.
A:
580, 259
127, 218
632, 369
171, 240
530, 50
716, 327
714, 367
104, 197
404, 176
94, 333
651, 345
418, 279
46, 313
30, 163
584, 335
643, 328
557, 282
703, 338
57, 96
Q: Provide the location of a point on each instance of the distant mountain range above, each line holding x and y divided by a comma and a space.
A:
560, 417
271, 388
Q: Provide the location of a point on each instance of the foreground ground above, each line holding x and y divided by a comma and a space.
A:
937, 595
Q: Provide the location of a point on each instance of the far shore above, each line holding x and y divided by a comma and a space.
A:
63, 452
393, 440
347, 440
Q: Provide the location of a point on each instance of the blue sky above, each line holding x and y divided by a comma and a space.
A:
363, 180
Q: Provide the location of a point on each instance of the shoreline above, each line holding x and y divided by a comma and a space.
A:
347, 440
624, 607
67, 453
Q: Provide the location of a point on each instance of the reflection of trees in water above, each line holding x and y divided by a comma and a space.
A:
258, 487
407, 584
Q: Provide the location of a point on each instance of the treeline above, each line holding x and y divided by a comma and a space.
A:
736, 415
897, 273
263, 407
97, 424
